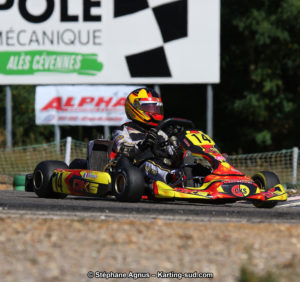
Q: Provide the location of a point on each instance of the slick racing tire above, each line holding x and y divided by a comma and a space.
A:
128, 183
265, 181
78, 164
42, 179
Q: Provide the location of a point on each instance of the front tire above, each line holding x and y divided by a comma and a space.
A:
265, 181
128, 183
42, 175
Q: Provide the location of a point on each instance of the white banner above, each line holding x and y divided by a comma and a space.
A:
81, 105
109, 41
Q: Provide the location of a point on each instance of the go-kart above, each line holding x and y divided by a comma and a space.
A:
211, 177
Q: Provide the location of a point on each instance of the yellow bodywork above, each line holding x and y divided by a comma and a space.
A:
165, 191
79, 181
279, 194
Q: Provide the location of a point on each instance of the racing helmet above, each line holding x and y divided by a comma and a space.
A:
144, 105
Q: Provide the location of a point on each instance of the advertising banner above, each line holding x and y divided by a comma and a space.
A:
109, 41
81, 105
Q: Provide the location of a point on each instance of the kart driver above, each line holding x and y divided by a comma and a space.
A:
139, 139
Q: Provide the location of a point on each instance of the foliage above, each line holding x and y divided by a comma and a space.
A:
25, 132
260, 67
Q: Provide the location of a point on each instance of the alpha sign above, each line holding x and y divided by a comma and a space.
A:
81, 104
114, 42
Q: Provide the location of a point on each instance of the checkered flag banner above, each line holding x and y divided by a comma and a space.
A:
171, 18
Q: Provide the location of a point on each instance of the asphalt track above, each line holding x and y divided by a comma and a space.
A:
18, 202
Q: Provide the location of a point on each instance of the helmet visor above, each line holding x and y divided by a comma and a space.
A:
152, 107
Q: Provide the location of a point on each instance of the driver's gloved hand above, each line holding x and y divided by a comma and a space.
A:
178, 129
174, 130
150, 140
169, 130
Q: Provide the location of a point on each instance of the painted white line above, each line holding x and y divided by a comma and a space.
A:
293, 198
289, 205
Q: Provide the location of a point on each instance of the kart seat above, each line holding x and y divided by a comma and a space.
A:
98, 153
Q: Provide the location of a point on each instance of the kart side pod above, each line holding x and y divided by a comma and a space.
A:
81, 182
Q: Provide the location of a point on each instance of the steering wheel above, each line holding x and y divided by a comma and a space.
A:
172, 127
164, 125
172, 123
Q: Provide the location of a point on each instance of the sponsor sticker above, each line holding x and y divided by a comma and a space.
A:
240, 190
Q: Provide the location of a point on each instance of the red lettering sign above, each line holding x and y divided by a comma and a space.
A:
101, 101
120, 102
54, 104
86, 100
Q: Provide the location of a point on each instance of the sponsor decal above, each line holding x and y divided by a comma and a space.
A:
89, 175
220, 158
186, 142
240, 190
80, 186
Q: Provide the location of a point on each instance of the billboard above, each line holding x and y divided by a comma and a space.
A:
109, 41
81, 105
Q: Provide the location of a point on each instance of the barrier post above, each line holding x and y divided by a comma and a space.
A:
295, 164
57, 137
209, 111
8, 118
68, 150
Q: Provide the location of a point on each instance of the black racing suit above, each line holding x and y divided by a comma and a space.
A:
164, 160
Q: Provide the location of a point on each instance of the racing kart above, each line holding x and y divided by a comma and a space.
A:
211, 177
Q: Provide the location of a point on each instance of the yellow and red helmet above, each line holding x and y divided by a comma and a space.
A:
144, 105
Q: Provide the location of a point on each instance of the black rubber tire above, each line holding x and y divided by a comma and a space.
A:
265, 180
128, 182
42, 179
78, 164
29, 182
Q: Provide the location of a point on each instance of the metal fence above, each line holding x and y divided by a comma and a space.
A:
23, 160
284, 163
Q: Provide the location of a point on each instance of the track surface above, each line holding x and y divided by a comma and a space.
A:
30, 204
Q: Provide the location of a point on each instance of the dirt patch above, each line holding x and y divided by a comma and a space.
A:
6, 182
6, 187
66, 249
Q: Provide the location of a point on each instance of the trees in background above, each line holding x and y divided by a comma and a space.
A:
259, 91
25, 132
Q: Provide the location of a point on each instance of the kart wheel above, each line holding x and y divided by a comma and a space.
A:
265, 180
42, 179
78, 164
128, 183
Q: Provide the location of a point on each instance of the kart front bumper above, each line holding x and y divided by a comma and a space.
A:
219, 192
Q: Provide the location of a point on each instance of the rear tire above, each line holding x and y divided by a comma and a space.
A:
265, 181
78, 164
42, 175
128, 182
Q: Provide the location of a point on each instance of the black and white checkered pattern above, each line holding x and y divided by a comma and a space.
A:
171, 17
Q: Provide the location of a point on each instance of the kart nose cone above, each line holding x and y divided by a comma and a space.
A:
241, 190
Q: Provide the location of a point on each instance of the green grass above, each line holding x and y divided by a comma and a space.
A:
248, 275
